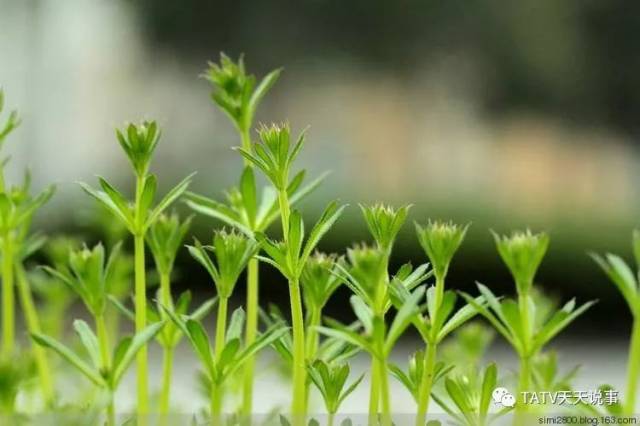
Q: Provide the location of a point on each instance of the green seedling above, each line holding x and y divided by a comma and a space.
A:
164, 239
237, 93
274, 157
90, 275
330, 380
468, 345
220, 363
628, 285
139, 142
170, 335
413, 378
471, 395
17, 208
517, 321
440, 242
365, 275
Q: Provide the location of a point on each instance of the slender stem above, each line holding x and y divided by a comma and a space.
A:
165, 395
245, 139
111, 412
424, 393
285, 212
374, 392
299, 360
330, 419
167, 355
313, 322
385, 399
141, 320
8, 298
221, 325
216, 405
33, 325
633, 368
103, 342
250, 336
523, 386
105, 361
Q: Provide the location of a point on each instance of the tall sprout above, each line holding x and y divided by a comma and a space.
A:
89, 274
164, 239
518, 320
17, 207
274, 156
139, 142
628, 284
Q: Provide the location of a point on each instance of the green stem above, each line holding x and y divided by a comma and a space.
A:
633, 368
103, 342
165, 395
8, 298
312, 343
250, 336
111, 412
141, 321
299, 368
245, 139
165, 289
33, 325
424, 393
285, 212
524, 381
330, 419
221, 325
216, 405
374, 392
385, 399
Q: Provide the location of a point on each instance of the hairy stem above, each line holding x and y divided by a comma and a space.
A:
299, 359
245, 139
250, 335
424, 393
105, 361
633, 368
221, 325
33, 325
524, 380
8, 298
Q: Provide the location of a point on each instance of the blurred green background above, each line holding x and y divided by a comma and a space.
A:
503, 114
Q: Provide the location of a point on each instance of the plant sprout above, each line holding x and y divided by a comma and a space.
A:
17, 207
365, 276
628, 284
139, 142
222, 362
89, 275
164, 239
274, 157
517, 320
330, 380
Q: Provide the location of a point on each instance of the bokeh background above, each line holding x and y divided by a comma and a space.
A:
504, 114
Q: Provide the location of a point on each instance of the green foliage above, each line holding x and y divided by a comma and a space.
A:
12, 122
274, 154
123, 355
138, 141
232, 252
414, 376
291, 258
440, 241
235, 91
505, 317
17, 206
89, 275
243, 209
165, 238
468, 344
330, 380
319, 280
522, 252
471, 395
384, 223
233, 355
